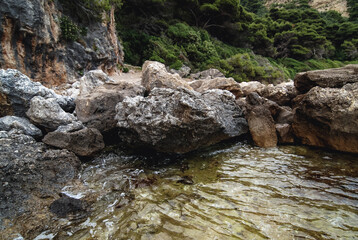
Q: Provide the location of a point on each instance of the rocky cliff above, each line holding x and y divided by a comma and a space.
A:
30, 40
321, 5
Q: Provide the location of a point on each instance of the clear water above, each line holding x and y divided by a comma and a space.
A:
231, 191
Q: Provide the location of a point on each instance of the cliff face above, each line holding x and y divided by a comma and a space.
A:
30, 42
321, 5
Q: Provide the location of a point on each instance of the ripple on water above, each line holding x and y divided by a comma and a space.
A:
236, 192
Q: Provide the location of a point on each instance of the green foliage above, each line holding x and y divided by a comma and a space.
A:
69, 30
350, 49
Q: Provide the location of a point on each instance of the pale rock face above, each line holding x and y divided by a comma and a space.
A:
155, 75
222, 83
24, 125
179, 121
207, 74
91, 80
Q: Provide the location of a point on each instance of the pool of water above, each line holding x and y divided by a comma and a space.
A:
230, 191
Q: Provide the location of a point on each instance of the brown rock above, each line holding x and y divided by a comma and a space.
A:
328, 117
156, 75
285, 133
97, 110
333, 78
253, 86
5, 106
222, 83
262, 127
282, 93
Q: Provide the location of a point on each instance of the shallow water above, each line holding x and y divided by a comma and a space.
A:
231, 191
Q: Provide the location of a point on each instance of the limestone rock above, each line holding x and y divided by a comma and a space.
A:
97, 110
47, 113
328, 117
282, 93
253, 86
180, 120
84, 142
285, 133
208, 74
91, 80
333, 78
184, 71
155, 75
217, 83
12, 122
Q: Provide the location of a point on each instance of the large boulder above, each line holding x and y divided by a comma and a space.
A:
155, 75
217, 83
180, 120
31, 177
84, 142
17, 90
282, 93
24, 125
97, 110
47, 113
253, 86
327, 117
91, 80
333, 78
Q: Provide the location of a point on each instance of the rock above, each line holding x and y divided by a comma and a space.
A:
208, 74
30, 174
333, 78
12, 122
282, 93
65, 205
97, 110
184, 71
72, 127
284, 115
84, 142
30, 35
285, 133
327, 117
47, 113
18, 90
253, 86
262, 127
91, 80
155, 75
222, 83
179, 121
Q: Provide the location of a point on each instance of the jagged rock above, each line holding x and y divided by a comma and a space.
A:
333, 78
184, 71
18, 90
30, 174
72, 127
284, 115
285, 133
155, 75
253, 86
217, 83
97, 110
282, 93
207, 74
47, 113
262, 126
65, 205
30, 36
12, 122
91, 80
327, 117
179, 120
84, 142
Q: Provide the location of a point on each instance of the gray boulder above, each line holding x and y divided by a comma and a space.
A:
97, 110
84, 142
222, 83
91, 80
333, 78
184, 71
47, 113
179, 121
12, 122
207, 74
155, 75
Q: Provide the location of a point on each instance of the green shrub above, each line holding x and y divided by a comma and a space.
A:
69, 30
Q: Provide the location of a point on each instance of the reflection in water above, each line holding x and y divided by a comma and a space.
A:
237, 192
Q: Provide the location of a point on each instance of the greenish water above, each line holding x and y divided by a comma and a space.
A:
231, 191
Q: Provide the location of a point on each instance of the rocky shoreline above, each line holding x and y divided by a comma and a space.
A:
44, 135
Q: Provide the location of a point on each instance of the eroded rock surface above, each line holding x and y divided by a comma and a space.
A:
282, 93
208, 74
22, 124
217, 83
180, 120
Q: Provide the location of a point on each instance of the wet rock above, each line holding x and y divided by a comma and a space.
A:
253, 86
97, 110
184, 71
91, 80
327, 117
208, 74
155, 75
285, 133
30, 171
84, 142
333, 78
180, 120
223, 83
282, 93
65, 206
12, 122
47, 113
